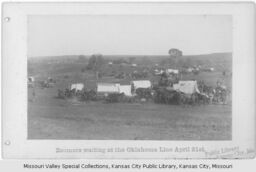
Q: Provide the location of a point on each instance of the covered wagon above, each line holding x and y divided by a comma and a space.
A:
77, 86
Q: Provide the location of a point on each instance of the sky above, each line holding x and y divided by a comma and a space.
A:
128, 35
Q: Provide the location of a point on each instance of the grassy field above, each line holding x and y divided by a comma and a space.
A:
52, 118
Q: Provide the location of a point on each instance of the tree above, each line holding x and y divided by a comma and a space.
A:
175, 54
95, 63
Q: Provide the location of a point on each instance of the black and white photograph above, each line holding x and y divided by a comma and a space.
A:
129, 77
128, 81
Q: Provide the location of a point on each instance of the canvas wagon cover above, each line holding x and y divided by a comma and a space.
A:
141, 84
175, 71
126, 89
108, 88
77, 86
187, 87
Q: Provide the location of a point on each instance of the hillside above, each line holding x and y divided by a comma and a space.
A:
60, 64
217, 57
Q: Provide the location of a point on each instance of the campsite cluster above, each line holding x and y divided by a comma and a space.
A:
169, 89
166, 91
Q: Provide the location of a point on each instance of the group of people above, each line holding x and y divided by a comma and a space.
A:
218, 94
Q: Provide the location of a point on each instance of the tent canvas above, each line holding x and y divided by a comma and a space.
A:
126, 89
77, 86
187, 87
141, 84
175, 71
108, 88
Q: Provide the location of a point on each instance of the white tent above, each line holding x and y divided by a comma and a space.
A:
159, 72
77, 86
126, 89
141, 84
187, 87
174, 71
108, 88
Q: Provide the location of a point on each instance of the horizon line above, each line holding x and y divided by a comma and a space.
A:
230, 52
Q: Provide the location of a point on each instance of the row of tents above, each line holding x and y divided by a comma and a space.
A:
187, 87
184, 70
108, 88
167, 71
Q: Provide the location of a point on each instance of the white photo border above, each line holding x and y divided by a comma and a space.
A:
14, 86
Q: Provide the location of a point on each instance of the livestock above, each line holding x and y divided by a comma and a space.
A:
48, 83
88, 95
144, 93
67, 93
221, 95
201, 98
83, 95
165, 96
195, 99
114, 97
203, 88
168, 79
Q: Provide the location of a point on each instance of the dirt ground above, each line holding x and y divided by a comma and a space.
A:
52, 118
